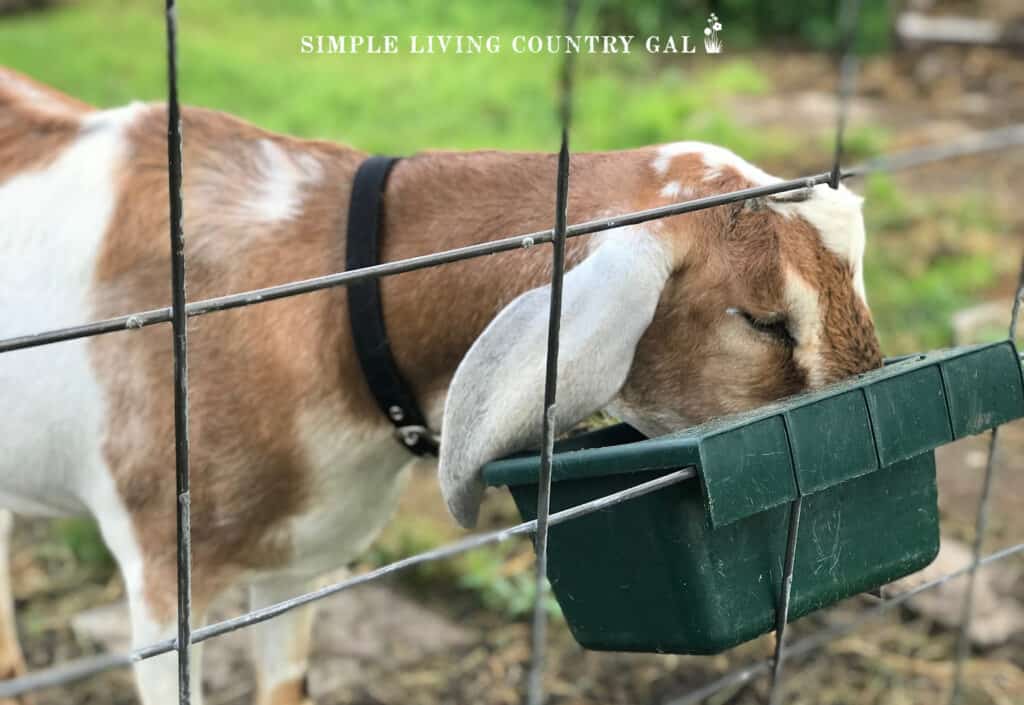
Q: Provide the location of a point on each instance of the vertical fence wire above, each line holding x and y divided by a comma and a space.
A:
849, 11
1018, 303
180, 333
963, 642
535, 684
782, 612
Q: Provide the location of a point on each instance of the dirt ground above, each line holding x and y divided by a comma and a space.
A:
396, 644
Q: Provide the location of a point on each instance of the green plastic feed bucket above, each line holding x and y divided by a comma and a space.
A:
696, 566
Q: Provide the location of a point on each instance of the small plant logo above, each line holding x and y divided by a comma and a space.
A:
712, 44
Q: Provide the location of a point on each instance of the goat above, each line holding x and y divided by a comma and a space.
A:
294, 468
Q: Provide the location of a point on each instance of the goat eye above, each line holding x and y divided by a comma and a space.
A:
776, 326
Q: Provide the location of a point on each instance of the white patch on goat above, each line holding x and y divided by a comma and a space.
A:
676, 191
277, 193
356, 478
53, 222
805, 325
671, 190
51, 456
281, 645
156, 678
836, 215
113, 123
715, 158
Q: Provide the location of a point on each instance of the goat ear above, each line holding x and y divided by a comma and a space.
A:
495, 401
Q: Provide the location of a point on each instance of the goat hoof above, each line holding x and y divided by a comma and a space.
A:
290, 693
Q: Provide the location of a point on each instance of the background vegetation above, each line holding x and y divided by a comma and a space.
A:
753, 23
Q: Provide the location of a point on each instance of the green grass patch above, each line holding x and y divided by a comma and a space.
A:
244, 57
747, 23
927, 257
860, 142
82, 536
499, 577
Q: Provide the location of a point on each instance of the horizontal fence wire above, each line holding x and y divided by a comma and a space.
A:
819, 640
969, 146
77, 670
995, 140
248, 298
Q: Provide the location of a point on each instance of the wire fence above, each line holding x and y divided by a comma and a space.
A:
180, 310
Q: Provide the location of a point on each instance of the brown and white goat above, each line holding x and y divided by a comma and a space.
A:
294, 469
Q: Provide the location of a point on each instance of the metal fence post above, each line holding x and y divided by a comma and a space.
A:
180, 332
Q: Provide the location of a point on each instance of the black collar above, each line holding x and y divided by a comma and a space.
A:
366, 314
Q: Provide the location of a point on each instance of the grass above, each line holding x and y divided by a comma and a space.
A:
497, 577
82, 537
244, 57
927, 258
